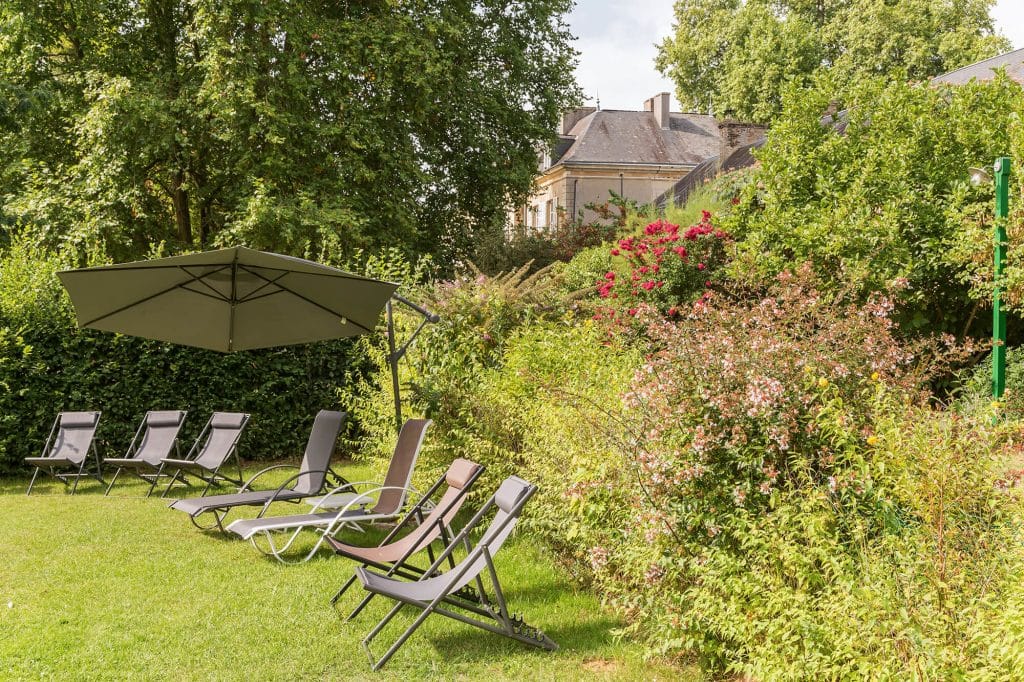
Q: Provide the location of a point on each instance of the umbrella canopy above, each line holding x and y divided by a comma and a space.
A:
227, 300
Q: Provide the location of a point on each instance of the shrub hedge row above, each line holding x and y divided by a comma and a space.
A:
48, 365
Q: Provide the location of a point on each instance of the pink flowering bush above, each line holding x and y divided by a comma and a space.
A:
665, 268
760, 483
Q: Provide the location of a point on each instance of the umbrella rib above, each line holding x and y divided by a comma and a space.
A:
201, 279
312, 302
251, 295
179, 285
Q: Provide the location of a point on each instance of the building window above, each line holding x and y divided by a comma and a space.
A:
535, 216
549, 214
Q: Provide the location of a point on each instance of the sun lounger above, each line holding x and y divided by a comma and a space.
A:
310, 479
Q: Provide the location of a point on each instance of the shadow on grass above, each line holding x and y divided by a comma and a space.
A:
474, 644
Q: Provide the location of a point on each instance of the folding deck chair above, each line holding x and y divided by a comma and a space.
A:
216, 443
66, 452
391, 497
310, 479
156, 436
433, 593
392, 555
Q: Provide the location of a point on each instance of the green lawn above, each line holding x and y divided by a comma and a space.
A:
121, 587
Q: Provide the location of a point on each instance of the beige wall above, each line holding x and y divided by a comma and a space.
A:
569, 188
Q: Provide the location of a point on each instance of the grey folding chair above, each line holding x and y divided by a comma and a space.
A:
439, 593
154, 440
66, 452
394, 552
310, 479
387, 500
216, 443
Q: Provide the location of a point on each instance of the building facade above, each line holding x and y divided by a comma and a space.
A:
637, 155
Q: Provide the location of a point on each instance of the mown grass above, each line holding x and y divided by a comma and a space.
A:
121, 587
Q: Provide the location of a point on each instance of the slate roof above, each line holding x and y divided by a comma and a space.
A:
982, 71
625, 137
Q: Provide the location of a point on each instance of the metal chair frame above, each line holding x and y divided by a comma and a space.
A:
494, 613
55, 472
214, 476
152, 477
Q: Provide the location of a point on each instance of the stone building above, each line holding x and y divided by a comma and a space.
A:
638, 155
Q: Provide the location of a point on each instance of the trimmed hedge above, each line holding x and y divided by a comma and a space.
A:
48, 365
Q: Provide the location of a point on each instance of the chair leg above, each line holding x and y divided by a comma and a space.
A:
81, 471
156, 477
174, 478
362, 605
344, 588
401, 640
116, 474
32, 482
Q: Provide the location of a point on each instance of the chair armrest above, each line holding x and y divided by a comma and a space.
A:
283, 486
245, 486
338, 518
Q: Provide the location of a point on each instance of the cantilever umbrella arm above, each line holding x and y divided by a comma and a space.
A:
396, 353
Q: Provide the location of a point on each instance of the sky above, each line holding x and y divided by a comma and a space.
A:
617, 43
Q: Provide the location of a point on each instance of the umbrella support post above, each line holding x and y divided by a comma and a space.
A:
395, 353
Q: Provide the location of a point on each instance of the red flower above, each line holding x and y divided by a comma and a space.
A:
701, 266
648, 285
615, 252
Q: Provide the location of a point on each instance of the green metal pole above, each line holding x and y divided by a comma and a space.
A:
1002, 174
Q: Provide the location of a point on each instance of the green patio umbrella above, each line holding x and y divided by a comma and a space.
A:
234, 299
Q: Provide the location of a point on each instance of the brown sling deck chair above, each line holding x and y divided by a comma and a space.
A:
392, 555
154, 440
66, 452
354, 504
309, 481
216, 443
440, 593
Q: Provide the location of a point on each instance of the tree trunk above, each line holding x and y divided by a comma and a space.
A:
182, 218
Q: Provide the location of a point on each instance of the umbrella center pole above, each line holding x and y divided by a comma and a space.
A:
395, 353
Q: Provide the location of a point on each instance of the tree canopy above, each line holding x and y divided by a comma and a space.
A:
306, 127
735, 56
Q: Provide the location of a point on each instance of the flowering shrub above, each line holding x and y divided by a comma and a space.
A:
666, 268
767, 489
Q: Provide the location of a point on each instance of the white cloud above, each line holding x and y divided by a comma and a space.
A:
617, 43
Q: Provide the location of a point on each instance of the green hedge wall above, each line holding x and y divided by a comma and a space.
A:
44, 371
48, 365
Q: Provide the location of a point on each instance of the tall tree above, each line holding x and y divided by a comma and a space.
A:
304, 126
735, 56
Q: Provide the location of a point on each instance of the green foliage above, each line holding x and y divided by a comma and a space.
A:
47, 365
880, 199
760, 485
737, 56
443, 375
308, 128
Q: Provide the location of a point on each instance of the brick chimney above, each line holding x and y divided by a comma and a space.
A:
733, 134
658, 105
571, 117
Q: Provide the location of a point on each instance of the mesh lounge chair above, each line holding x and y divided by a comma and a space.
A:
66, 453
309, 481
433, 593
216, 443
156, 436
393, 555
354, 505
